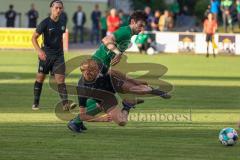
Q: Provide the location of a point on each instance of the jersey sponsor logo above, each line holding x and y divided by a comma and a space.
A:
50, 29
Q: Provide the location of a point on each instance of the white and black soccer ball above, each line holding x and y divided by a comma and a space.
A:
228, 136
150, 51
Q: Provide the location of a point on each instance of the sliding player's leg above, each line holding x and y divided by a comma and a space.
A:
118, 115
128, 87
124, 77
93, 109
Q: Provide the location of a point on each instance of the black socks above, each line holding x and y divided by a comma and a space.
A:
37, 92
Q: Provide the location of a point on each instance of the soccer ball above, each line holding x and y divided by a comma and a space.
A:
228, 136
150, 51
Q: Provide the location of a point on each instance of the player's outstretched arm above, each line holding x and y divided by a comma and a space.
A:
110, 42
41, 53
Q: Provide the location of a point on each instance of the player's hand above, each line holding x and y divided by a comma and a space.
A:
116, 59
106, 118
42, 55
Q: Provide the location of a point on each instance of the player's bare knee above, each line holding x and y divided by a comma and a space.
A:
40, 78
122, 118
123, 123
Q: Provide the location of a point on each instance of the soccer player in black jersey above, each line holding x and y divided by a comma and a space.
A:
96, 93
50, 54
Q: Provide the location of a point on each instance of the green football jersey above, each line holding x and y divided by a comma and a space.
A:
142, 38
122, 39
103, 22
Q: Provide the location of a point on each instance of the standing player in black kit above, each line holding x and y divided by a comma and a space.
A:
50, 54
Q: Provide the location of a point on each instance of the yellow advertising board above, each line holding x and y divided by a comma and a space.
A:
21, 38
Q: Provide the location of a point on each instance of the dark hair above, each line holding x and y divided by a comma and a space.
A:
138, 15
55, 1
11, 6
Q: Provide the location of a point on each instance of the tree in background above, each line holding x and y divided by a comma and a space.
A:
188, 3
200, 7
155, 5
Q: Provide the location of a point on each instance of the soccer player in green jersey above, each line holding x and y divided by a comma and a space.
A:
143, 41
114, 45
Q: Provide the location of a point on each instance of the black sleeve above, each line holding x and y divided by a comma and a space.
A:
15, 14
84, 18
82, 101
74, 18
37, 15
41, 27
66, 16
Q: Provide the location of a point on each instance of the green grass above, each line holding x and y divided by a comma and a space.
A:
209, 89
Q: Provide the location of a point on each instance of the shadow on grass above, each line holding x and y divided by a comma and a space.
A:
19, 98
16, 75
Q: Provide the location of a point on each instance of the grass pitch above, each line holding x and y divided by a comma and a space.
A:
206, 98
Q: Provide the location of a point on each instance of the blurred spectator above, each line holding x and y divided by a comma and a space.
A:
10, 16
208, 10
147, 10
210, 27
226, 14
155, 21
170, 21
79, 19
113, 21
186, 11
103, 25
124, 18
95, 17
215, 8
64, 17
238, 11
143, 41
163, 22
175, 9
32, 15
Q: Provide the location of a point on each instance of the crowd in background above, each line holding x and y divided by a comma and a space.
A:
102, 23
224, 11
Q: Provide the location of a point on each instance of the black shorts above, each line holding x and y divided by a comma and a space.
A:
209, 37
117, 84
52, 64
102, 90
